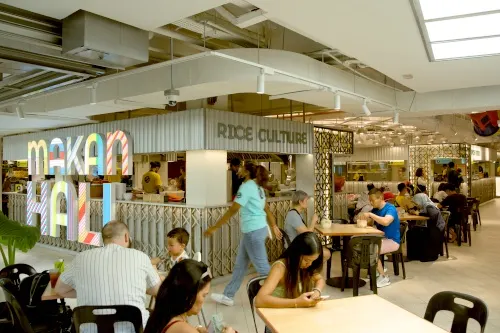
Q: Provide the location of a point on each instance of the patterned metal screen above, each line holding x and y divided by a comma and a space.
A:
327, 143
421, 156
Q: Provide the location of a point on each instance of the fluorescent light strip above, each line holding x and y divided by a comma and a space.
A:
466, 48
433, 9
463, 28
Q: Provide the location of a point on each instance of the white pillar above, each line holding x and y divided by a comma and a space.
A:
206, 177
304, 165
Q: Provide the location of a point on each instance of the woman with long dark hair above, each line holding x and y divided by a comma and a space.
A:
255, 216
295, 280
181, 295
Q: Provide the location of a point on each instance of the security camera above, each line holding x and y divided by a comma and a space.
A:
172, 96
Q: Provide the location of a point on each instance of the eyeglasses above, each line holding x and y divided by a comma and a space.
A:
207, 273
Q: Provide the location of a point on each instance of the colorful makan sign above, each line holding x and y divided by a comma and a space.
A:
74, 156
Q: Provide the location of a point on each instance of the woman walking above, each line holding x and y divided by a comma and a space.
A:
255, 215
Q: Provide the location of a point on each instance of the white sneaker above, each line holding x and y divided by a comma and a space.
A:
385, 271
222, 299
383, 281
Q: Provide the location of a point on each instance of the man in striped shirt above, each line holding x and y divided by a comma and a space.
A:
111, 275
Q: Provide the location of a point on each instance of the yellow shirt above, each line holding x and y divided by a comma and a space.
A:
404, 202
150, 182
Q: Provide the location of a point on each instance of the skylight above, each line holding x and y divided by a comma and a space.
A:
453, 29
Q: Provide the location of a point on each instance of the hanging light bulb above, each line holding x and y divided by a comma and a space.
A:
365, 108
396, 117
337, 105
261, 82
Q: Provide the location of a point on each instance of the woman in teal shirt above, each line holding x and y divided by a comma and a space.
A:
255, 216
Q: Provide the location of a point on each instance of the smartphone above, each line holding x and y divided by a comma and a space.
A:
325, 297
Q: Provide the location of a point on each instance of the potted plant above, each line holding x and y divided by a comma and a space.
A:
16, 236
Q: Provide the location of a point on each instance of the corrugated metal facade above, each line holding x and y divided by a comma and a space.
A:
178, 131
380, 154
271, 128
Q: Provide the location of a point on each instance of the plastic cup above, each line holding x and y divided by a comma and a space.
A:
54, 276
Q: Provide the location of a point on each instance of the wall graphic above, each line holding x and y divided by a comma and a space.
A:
65, 158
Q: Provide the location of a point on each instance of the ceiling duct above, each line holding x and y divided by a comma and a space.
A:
93, 37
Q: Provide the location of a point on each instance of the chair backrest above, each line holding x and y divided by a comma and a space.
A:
253, 287
363, 251
13, 273
446, 216
106, 316
286, 240
403, 228
445, 300
18, 318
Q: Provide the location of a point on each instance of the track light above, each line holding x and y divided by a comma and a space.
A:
365, 108
20, 111
337, 102
93, 94
396, 117
261, 82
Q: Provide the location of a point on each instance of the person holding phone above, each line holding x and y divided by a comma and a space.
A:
295, 280
181, 295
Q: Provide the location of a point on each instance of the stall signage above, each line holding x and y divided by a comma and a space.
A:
74, 156
249, 133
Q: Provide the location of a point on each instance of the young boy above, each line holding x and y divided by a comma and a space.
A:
177, 240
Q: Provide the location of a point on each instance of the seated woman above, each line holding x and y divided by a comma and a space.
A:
440, 195
294, 222
295, 279
432, 244
181, 295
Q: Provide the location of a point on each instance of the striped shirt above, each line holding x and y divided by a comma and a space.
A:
112, 275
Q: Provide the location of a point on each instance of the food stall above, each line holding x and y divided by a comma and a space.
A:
483, 182
199, 138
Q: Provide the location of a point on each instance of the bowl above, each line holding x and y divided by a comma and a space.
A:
362, 223
325, 224
127, 196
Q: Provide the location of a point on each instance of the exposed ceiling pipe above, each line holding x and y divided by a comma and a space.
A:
346, 65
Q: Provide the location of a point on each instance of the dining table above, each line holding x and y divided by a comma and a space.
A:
359, 314
408, 217
346, 231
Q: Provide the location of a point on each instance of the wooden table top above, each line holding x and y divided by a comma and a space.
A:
49, 294
354, 315
413, 218
348, 230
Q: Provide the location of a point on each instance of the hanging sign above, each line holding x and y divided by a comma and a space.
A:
74, 156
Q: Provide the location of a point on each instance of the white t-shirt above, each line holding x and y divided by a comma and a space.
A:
439, 196
421, 181
112, 275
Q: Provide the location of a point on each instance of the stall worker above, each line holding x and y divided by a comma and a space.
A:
151, 180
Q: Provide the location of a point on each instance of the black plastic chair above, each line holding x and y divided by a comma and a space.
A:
14, 272
362, 252
446, 232
445, 301
464, 226
20, 321
334, 246
397, 256
253, 287
474, 212
104, 321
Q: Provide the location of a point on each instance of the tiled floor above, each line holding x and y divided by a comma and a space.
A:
474, 270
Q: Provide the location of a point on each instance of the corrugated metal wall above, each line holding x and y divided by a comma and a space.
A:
212, 141
380, 154
178, 131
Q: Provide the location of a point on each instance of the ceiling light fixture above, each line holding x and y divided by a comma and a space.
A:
336, 106
93, 93
365, 108
261, 82
20, 111
396, 117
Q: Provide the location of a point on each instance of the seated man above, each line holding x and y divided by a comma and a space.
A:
386, 219
405, 201
111, 275
456, 203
